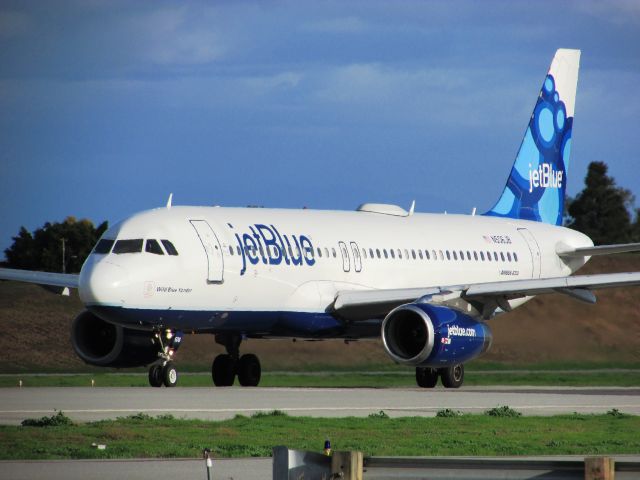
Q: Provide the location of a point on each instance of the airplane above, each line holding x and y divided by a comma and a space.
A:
427, 284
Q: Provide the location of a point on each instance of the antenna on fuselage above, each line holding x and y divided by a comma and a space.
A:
170, 199
412, 208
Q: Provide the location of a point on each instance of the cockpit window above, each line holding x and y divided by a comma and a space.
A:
152, 246
128, 246
104, 246
168, 246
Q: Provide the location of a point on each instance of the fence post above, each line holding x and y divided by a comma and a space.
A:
599, 468
347, 465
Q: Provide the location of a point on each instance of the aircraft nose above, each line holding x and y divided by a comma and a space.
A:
103, 283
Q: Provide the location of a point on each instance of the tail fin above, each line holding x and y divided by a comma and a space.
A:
536, 187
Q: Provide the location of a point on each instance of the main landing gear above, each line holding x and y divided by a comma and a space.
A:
451, 377
228, 365
164, 372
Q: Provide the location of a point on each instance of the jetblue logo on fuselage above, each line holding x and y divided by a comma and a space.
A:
264, 244
544, 176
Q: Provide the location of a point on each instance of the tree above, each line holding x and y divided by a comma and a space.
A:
43, 249
601, 210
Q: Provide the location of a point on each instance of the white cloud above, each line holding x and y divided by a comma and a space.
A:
178, 36
619, 12
338, 25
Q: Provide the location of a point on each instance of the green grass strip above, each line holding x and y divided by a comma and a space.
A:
141, 436
613, 378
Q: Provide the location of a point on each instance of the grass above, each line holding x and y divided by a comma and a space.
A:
399, 378
141, 436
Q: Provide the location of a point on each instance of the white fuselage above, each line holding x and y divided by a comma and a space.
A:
272, 261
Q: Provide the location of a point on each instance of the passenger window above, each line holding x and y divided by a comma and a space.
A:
128, 246
238, 250
495, 256
509, 256
482, 256
468, 255
230, 250
333, 250
413, 253
319, 252
326, 252
441, 255
399, 253
364, 253
168, 246
420, 254
488, 255
378, 252
426, 254
455, 255
406, 254
475, 255
385, 253
502, 256
515, 256
393, 254
448, 256
104, 246
152, 246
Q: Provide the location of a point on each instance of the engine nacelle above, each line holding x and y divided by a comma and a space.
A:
107, 345
433, 336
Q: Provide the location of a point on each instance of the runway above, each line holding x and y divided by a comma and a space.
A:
88, 404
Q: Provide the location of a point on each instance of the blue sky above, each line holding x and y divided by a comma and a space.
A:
107, 107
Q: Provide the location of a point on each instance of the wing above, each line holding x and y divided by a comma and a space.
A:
360, 304
61, 282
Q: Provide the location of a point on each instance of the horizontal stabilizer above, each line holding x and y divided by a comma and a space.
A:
564, 251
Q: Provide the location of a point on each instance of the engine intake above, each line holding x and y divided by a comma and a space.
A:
104, 344
433, 336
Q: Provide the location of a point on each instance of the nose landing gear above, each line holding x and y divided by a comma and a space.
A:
226, 366
164, 372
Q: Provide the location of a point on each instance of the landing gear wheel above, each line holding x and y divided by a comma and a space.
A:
426, 377
169, 375
452, 377
155, 376
249, 370
223, 370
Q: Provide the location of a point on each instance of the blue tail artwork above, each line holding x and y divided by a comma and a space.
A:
536, 186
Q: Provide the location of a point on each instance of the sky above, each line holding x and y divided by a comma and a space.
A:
107, 107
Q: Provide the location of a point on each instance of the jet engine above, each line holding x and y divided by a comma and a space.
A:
425, 335
104, 344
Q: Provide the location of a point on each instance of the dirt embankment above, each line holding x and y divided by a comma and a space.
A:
35, 329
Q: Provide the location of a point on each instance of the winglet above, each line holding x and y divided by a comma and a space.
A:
412, 208
169, 200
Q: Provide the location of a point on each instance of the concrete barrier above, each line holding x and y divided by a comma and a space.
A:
297, 465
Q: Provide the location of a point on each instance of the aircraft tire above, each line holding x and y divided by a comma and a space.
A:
155, 376
223, 370
249, 370
426, 377
169, 375
453, 376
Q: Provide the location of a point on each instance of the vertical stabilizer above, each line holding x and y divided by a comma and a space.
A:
536, 186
